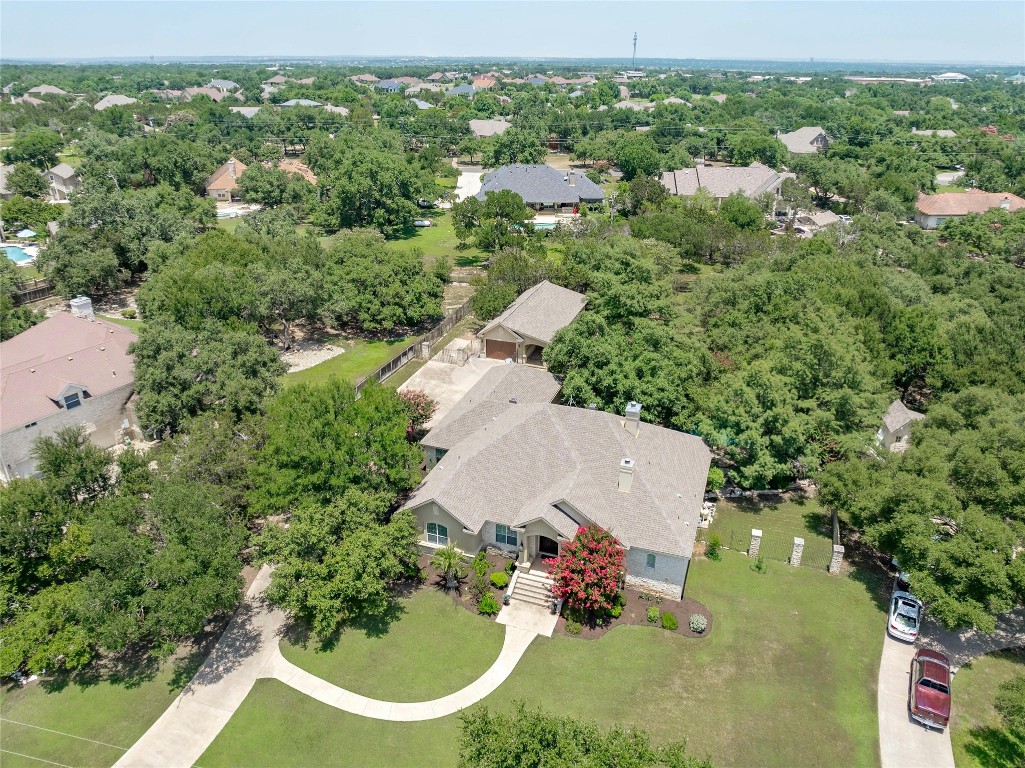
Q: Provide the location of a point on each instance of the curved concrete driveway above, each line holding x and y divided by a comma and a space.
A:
903, 743
248, 650
516, 642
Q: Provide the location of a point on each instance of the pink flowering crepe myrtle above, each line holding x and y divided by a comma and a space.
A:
588, 571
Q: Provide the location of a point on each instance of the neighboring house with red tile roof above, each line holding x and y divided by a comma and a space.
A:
484, 83
933, 210
293, 166
66, 371
223, 182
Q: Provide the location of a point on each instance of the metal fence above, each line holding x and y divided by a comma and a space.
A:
413, 350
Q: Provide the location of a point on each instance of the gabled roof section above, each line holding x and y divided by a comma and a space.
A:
540, 312
540, 184
491, 397
963, 203
531, 458
63, 170
899, 415
226, 177
38, 365
800, 141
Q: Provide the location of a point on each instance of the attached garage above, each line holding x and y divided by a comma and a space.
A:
499, 350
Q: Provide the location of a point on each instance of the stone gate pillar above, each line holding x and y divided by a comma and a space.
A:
756, 543
795, 556
837, 560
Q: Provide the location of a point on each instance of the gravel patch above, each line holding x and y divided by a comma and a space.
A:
306, 354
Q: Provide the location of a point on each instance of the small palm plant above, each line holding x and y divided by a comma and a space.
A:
448, 561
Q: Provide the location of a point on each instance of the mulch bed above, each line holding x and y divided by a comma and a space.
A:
635, 612
461, 595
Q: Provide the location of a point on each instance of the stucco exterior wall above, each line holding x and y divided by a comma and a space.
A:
102, 417
931, 222
667, 577
432, 513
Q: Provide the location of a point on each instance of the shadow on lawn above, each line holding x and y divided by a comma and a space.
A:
129, 669
301, 635
996, 748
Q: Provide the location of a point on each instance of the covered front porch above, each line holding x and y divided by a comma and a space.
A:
535, 548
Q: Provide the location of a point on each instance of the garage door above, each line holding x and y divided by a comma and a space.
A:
500, 350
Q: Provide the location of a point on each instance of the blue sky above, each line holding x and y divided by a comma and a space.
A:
925, 30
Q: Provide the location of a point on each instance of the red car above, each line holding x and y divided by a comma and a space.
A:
929, 697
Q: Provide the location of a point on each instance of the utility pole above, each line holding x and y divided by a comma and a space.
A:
633, 61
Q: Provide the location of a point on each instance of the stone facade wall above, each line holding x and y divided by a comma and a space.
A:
101, 415
667, 577
487, 534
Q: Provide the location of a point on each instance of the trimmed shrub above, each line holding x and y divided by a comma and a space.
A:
698, 623
669, 622
500, 580
617, 606
574, 627
510, 567
128, 313
488, 605
653, 615
423, 575
712, 549
759, 565
480, 564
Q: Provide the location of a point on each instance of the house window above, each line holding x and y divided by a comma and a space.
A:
437, 534
651, 560
72, 401
505, 535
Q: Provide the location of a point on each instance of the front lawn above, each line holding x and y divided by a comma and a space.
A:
787, 678
359, 359
436, 647
86, 724
977, 732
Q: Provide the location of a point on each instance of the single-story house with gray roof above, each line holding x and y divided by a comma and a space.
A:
543, 187
461, 90
528, 478
895, 433
529, 324
805, 141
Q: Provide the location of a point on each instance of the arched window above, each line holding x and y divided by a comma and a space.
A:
437, 534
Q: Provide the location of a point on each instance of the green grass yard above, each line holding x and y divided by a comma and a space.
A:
132, 325
787, 678
86, 726
439, 241
359, 359
779, 524
977, 732
395, 668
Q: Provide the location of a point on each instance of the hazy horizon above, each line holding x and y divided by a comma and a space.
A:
990, 32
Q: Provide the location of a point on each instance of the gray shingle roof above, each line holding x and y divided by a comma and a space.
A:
4, 170
63, 170
752, 180
485, 128
899, 415
800, 141
301, 103
541, 184
461, 90
489, 398
536, 456
113, 100
540, 312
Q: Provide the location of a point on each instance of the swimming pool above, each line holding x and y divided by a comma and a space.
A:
544, 225
17, 255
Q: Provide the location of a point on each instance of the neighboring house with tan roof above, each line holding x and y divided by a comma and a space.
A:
293, 166
942, 133
223, 182
32, 101
895, 433
213, 93
484, 83
933, 210
64, 372
805, 141
41, 90
63, 180
530, 323
485, 128
751, 181
527, 476
113, 100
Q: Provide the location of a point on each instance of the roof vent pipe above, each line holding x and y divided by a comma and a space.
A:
626, 475
633, 418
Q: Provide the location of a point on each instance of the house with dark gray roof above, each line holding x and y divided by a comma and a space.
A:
895, 433
461, 90
529, 324
390, 86
543, 187
528, 475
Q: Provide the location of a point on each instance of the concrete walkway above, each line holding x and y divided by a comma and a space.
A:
903, 743
181, 735
516, 642
963, 645
249, 650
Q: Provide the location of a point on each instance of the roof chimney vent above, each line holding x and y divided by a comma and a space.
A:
512, 400
1006, 203
626, 475
633, 418
592, 406
572, 178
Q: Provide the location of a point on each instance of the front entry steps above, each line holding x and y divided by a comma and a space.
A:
533, 588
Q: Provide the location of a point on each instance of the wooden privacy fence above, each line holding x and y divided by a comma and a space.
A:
414, 349
32, 290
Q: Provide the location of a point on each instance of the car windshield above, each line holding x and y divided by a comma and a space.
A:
935, 685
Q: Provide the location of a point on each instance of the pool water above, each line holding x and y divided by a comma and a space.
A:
16, 254
544, 225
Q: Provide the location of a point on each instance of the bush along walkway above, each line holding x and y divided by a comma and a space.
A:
249, 650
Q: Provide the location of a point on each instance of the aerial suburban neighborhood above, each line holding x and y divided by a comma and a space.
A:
484, 385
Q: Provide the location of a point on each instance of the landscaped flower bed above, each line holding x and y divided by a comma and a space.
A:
635, 612
463, 595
